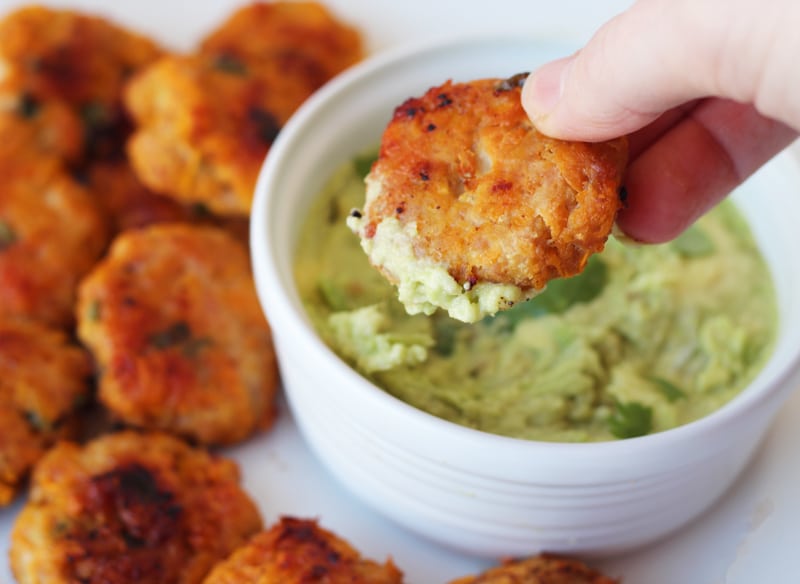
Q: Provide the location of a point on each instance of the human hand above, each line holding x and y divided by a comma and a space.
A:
708, 90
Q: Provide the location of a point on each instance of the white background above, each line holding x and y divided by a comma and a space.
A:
748, 537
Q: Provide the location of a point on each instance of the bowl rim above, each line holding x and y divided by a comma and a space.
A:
277, 301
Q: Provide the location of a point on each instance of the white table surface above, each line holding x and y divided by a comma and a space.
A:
747, 538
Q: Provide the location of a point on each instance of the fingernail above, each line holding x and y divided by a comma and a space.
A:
544, 87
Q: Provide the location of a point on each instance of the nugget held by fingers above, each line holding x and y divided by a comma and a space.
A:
469, 208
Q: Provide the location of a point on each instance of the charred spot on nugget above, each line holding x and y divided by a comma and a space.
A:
44, 383
130, 508
491, 209
296, 551
173, 321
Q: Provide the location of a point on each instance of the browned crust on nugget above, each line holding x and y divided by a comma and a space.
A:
172, 319
262, 29
542, 569
44, 381
299, 551
130, 508
493, 200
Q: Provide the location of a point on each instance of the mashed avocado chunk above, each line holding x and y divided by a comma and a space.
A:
362, 337
424, 285
645, 339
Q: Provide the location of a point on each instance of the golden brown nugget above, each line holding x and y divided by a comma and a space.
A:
470, 209
44, 382
79, 59
299, 551
130, 508
542, 569
204, 128
263, 29
172, 319
51, 234
41, 128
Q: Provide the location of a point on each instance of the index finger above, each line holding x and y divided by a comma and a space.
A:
694, 164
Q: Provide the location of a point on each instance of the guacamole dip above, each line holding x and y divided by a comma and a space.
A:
645, 339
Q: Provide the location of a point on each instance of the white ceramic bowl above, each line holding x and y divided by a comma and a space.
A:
486, 494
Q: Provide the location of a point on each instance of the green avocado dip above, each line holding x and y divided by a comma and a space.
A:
645, 339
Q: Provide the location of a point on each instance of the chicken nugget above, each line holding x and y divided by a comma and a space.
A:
51, 234
129, 507
262, 29
78, 59
204, 126
469, 208
542, 569
299, 551
172, 319
44, 382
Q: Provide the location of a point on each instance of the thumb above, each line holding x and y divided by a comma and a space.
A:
662, 53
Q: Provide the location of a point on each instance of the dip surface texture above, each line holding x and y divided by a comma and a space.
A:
645, 339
